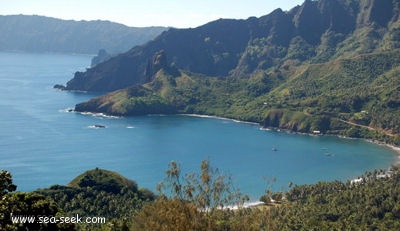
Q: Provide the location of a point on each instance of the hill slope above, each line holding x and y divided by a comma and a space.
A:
326, 97
100, 179
99, 192
315, 32
43, 34
332, 77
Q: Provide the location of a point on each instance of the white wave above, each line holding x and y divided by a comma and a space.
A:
220, 118
265, 129
89, 113
102, 115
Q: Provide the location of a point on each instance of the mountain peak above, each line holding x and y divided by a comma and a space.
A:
316, 31
103, 180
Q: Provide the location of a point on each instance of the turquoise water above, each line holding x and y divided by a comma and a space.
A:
42, 144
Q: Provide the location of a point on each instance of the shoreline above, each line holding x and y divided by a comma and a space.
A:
392, 147
220, 118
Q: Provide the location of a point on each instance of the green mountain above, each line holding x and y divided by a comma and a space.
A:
31, 33
99, 192
100, 179
106, 196
315, 32
327, 66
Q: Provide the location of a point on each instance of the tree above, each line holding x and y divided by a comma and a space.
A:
208, 190
193, 202
6, 184
170, 214
16, 205
22, 205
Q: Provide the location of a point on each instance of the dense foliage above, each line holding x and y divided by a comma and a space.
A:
327, 66
198, 201
100, 193
315, 32
18, 204
195, 201
338, 76
369, 204
372, 204
95, 193
355, 97
6, 183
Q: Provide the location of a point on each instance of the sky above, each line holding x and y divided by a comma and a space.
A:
142, 13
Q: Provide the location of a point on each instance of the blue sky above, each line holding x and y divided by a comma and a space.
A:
176, 13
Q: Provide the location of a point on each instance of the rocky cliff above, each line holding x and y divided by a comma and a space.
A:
315, 32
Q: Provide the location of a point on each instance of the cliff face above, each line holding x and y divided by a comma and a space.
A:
211, 49
329, 65
316, 31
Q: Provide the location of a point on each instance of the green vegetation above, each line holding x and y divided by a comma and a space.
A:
372, 204
192, 202
355, 97
33, 204
6, 184
328, 66
95, 193
103, 180
284, 70
322, 206
100, 193
198, 201
315, 32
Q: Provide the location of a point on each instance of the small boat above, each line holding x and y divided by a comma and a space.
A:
99, 126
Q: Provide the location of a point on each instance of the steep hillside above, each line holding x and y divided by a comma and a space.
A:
211, 49
363, 90
336, 77
43, 34
315, 32
356, 97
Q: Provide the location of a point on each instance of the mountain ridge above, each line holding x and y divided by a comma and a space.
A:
317, 31
34, 33
276, 73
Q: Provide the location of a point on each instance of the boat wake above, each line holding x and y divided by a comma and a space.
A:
97, 126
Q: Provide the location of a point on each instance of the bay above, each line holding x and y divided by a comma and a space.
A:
43, 144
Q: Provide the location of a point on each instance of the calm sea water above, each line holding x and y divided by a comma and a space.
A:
43, 144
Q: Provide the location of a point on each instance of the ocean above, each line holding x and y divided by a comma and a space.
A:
42, 143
